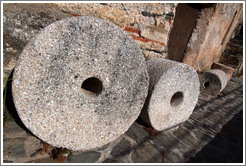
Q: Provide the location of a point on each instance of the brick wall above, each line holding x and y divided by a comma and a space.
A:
150, 24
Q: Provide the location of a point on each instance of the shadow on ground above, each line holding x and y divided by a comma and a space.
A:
226, 147
10, 113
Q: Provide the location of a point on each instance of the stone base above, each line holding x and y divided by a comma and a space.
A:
137, 144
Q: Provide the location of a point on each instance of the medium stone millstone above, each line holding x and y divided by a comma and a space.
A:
173, 93
80, 83
212, 81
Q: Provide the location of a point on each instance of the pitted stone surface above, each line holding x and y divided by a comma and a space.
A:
173, 93
52, 97
212, 82
172, 144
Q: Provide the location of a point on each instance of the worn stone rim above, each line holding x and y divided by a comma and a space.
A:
121, 128
162, 108
213, 81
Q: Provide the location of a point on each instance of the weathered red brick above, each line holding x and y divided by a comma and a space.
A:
129, 29
146, 40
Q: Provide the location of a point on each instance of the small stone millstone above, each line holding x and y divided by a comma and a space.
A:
80, 83
212, 81
173, 93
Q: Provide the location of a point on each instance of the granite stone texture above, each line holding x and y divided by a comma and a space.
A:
21, 22
212, 81
80, 83
177, 145
148, 23
173, 93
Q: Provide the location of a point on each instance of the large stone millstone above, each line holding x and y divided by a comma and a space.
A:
212, 81
80, 83
173, 93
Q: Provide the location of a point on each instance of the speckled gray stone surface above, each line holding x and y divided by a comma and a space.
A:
212, 81
173, 93
50, 94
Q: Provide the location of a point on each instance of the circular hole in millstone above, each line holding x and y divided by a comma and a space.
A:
206, 84
92, 85
177, 99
